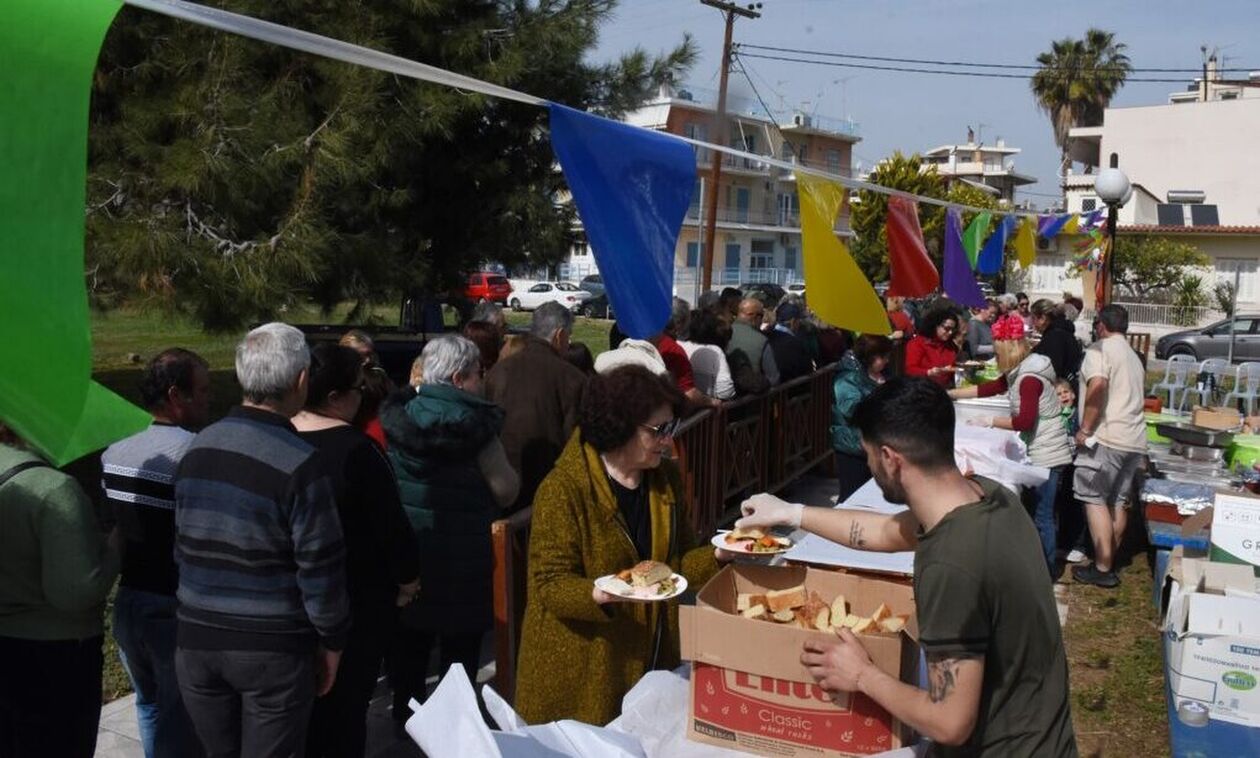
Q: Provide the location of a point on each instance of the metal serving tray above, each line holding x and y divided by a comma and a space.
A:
1189, 434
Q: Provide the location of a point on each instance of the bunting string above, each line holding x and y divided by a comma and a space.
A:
327, 47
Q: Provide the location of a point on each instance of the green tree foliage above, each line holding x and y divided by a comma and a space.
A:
1150, 268
1077, 79
909, 174
230, 178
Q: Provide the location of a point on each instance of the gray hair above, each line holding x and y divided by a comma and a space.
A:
447, 357
549, 318
679, 317
269, 361
1007, 299
487, 311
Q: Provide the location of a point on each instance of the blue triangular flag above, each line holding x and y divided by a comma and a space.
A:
989, 261
1056, 224
957, 280
632, 188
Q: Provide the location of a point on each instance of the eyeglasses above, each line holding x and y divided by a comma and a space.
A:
1024, 304
949, 329
667, 429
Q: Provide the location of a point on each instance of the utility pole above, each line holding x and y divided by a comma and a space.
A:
730, 11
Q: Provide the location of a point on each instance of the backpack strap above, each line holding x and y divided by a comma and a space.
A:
23, 466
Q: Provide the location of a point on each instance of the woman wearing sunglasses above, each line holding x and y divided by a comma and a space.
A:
933, 351
612, 500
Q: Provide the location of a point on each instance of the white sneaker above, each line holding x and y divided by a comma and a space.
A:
1075, 556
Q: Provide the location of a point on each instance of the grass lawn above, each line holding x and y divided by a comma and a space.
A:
1111, 637
1116, 666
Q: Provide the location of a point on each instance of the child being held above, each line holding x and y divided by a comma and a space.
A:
1067, 402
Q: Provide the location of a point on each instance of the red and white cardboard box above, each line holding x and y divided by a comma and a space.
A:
749, 690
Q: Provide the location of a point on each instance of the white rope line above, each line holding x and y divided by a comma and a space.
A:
327, 47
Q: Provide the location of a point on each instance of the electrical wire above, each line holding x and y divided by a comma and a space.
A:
923, 61
909, 70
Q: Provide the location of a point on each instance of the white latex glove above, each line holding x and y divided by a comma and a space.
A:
766, 510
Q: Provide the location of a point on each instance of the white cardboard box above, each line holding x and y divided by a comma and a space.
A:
1214, 655
1236, 530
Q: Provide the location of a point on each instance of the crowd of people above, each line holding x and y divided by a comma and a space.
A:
270, 564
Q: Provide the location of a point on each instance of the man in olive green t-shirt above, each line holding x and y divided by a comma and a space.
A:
997, 673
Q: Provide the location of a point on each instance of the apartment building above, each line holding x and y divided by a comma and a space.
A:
1196, 178
990, 168
758, 235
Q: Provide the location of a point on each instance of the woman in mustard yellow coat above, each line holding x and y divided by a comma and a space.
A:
611, 501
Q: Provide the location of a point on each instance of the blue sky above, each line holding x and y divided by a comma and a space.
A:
914, 112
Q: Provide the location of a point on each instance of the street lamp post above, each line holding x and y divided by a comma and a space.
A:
1113, 188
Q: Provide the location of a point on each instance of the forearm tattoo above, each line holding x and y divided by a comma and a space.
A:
855, 535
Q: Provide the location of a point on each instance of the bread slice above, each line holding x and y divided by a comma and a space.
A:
780, 600
864, 625
893, 624
648, 573
881, 613
839, 610
755, 612
850, 620
751, 533
746, 600
784, 616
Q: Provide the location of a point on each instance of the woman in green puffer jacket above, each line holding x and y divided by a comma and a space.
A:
454, 480
861, 371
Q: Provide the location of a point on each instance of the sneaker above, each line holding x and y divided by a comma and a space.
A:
1091, 575
1075, 556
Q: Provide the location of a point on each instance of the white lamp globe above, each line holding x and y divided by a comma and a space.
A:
1112, 186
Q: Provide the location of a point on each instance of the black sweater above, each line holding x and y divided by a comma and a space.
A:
1059, 344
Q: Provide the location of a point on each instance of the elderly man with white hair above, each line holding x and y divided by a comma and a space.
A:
455, 479
263, 609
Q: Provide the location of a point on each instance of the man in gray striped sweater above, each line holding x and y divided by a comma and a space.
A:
263, 611
139, 482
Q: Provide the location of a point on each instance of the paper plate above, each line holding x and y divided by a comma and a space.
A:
614, 586
740, 548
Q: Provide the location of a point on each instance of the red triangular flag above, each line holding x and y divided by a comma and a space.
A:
911, 271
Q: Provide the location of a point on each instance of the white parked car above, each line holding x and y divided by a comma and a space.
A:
530, 297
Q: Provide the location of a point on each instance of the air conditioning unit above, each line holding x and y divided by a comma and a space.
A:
1043, 244
801, 119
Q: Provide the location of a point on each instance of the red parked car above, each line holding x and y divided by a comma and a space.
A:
487, 285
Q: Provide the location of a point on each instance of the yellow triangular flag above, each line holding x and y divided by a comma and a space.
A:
1026, 242
838, 291
1072, 225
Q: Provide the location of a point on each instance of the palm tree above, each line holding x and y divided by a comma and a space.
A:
1077, 80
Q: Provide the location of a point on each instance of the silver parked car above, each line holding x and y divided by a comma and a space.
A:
1213, 341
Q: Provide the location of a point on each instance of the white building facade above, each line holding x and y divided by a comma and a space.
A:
758, 235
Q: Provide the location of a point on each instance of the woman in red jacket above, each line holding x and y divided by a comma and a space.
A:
932, 352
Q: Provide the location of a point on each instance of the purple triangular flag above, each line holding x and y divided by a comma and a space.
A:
959, 282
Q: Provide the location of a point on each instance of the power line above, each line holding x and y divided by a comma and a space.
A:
908, 70
967, 64
769, 113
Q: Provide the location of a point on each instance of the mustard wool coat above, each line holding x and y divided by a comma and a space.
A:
577, 658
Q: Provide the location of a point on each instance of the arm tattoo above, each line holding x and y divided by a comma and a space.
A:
855, 535
943, 675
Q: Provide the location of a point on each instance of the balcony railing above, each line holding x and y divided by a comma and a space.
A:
789, 219
1155, 314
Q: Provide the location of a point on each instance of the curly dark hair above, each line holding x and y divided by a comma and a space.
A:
708, 328
935, 318
616, 403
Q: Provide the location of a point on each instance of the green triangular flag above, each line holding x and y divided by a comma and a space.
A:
973, 238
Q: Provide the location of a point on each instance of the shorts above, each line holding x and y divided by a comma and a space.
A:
1105, 475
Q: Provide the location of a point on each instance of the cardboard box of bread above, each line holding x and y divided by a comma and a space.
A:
745, 635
